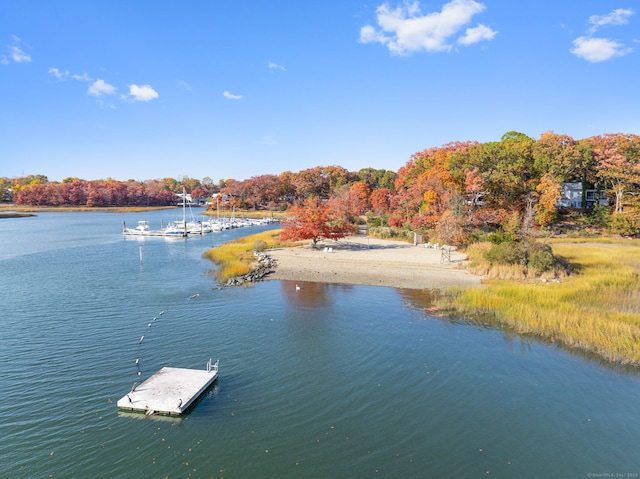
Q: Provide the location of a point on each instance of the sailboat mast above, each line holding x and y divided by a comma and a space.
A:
184, 210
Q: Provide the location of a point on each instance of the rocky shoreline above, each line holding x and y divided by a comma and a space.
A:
265, 266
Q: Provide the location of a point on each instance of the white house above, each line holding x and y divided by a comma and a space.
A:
571, 196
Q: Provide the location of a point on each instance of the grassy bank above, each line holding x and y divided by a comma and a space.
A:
235, 258
595, 309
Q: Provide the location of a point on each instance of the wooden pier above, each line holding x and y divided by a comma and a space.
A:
170, 391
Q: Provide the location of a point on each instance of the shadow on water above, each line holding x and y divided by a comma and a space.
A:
426, 301
301, 293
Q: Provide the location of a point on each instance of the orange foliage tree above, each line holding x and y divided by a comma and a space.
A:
425, 187
380, 200
549, 193
315, 220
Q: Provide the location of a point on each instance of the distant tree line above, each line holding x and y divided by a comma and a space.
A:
445, 191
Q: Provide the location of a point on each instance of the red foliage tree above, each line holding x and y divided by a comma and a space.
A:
315, 220
380, 200
618, 163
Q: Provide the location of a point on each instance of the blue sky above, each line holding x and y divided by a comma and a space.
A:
232, 89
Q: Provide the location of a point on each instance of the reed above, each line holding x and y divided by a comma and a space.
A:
236, 258
596, 309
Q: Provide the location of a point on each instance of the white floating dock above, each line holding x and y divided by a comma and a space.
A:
170, 391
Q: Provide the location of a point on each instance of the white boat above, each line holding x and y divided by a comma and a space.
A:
175, 231
192, 226
178, 228
142, 229
215, 225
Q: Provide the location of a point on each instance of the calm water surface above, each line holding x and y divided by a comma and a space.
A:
329, 381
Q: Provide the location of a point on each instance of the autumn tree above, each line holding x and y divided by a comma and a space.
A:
209, 185
618, 163
377, 178
362, 197
188, 183
235, 191
425, 186
288, 189
565, 159
338, 177
381, 200
262, 190
549, 193
311, 182
315, 220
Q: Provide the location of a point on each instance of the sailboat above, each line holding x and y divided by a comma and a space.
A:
216, 225
192, 226
178, 228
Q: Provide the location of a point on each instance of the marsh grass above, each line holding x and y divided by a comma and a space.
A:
478, 265
596, 309
235, 258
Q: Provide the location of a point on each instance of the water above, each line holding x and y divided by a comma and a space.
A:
328, 381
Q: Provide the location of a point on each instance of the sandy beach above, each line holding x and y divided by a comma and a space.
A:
370, 261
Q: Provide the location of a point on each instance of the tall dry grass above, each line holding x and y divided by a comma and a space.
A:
596, 309
235, 258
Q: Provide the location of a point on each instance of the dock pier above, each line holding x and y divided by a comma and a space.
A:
170, 391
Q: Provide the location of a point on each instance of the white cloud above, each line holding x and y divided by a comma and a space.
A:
231, 96
185, 85
142, 93
275, 66
100, 87
16, 53
19, 56
404, 29
65, 75
620, 16
83, 77
60, 75
598, 49
477, 34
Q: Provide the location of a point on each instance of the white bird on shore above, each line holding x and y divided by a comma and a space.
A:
297, 288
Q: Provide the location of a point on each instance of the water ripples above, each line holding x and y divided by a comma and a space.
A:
330, 381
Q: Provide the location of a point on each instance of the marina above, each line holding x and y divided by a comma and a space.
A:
180, 228
184, 228
170, 391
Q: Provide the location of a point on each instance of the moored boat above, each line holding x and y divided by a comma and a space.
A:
141, 230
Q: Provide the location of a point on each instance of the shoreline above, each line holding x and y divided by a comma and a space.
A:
372, 262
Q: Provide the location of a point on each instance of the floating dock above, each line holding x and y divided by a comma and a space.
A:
170, 391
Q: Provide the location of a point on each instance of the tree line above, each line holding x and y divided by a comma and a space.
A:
447, 191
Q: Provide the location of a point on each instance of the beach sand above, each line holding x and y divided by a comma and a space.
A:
369, 261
